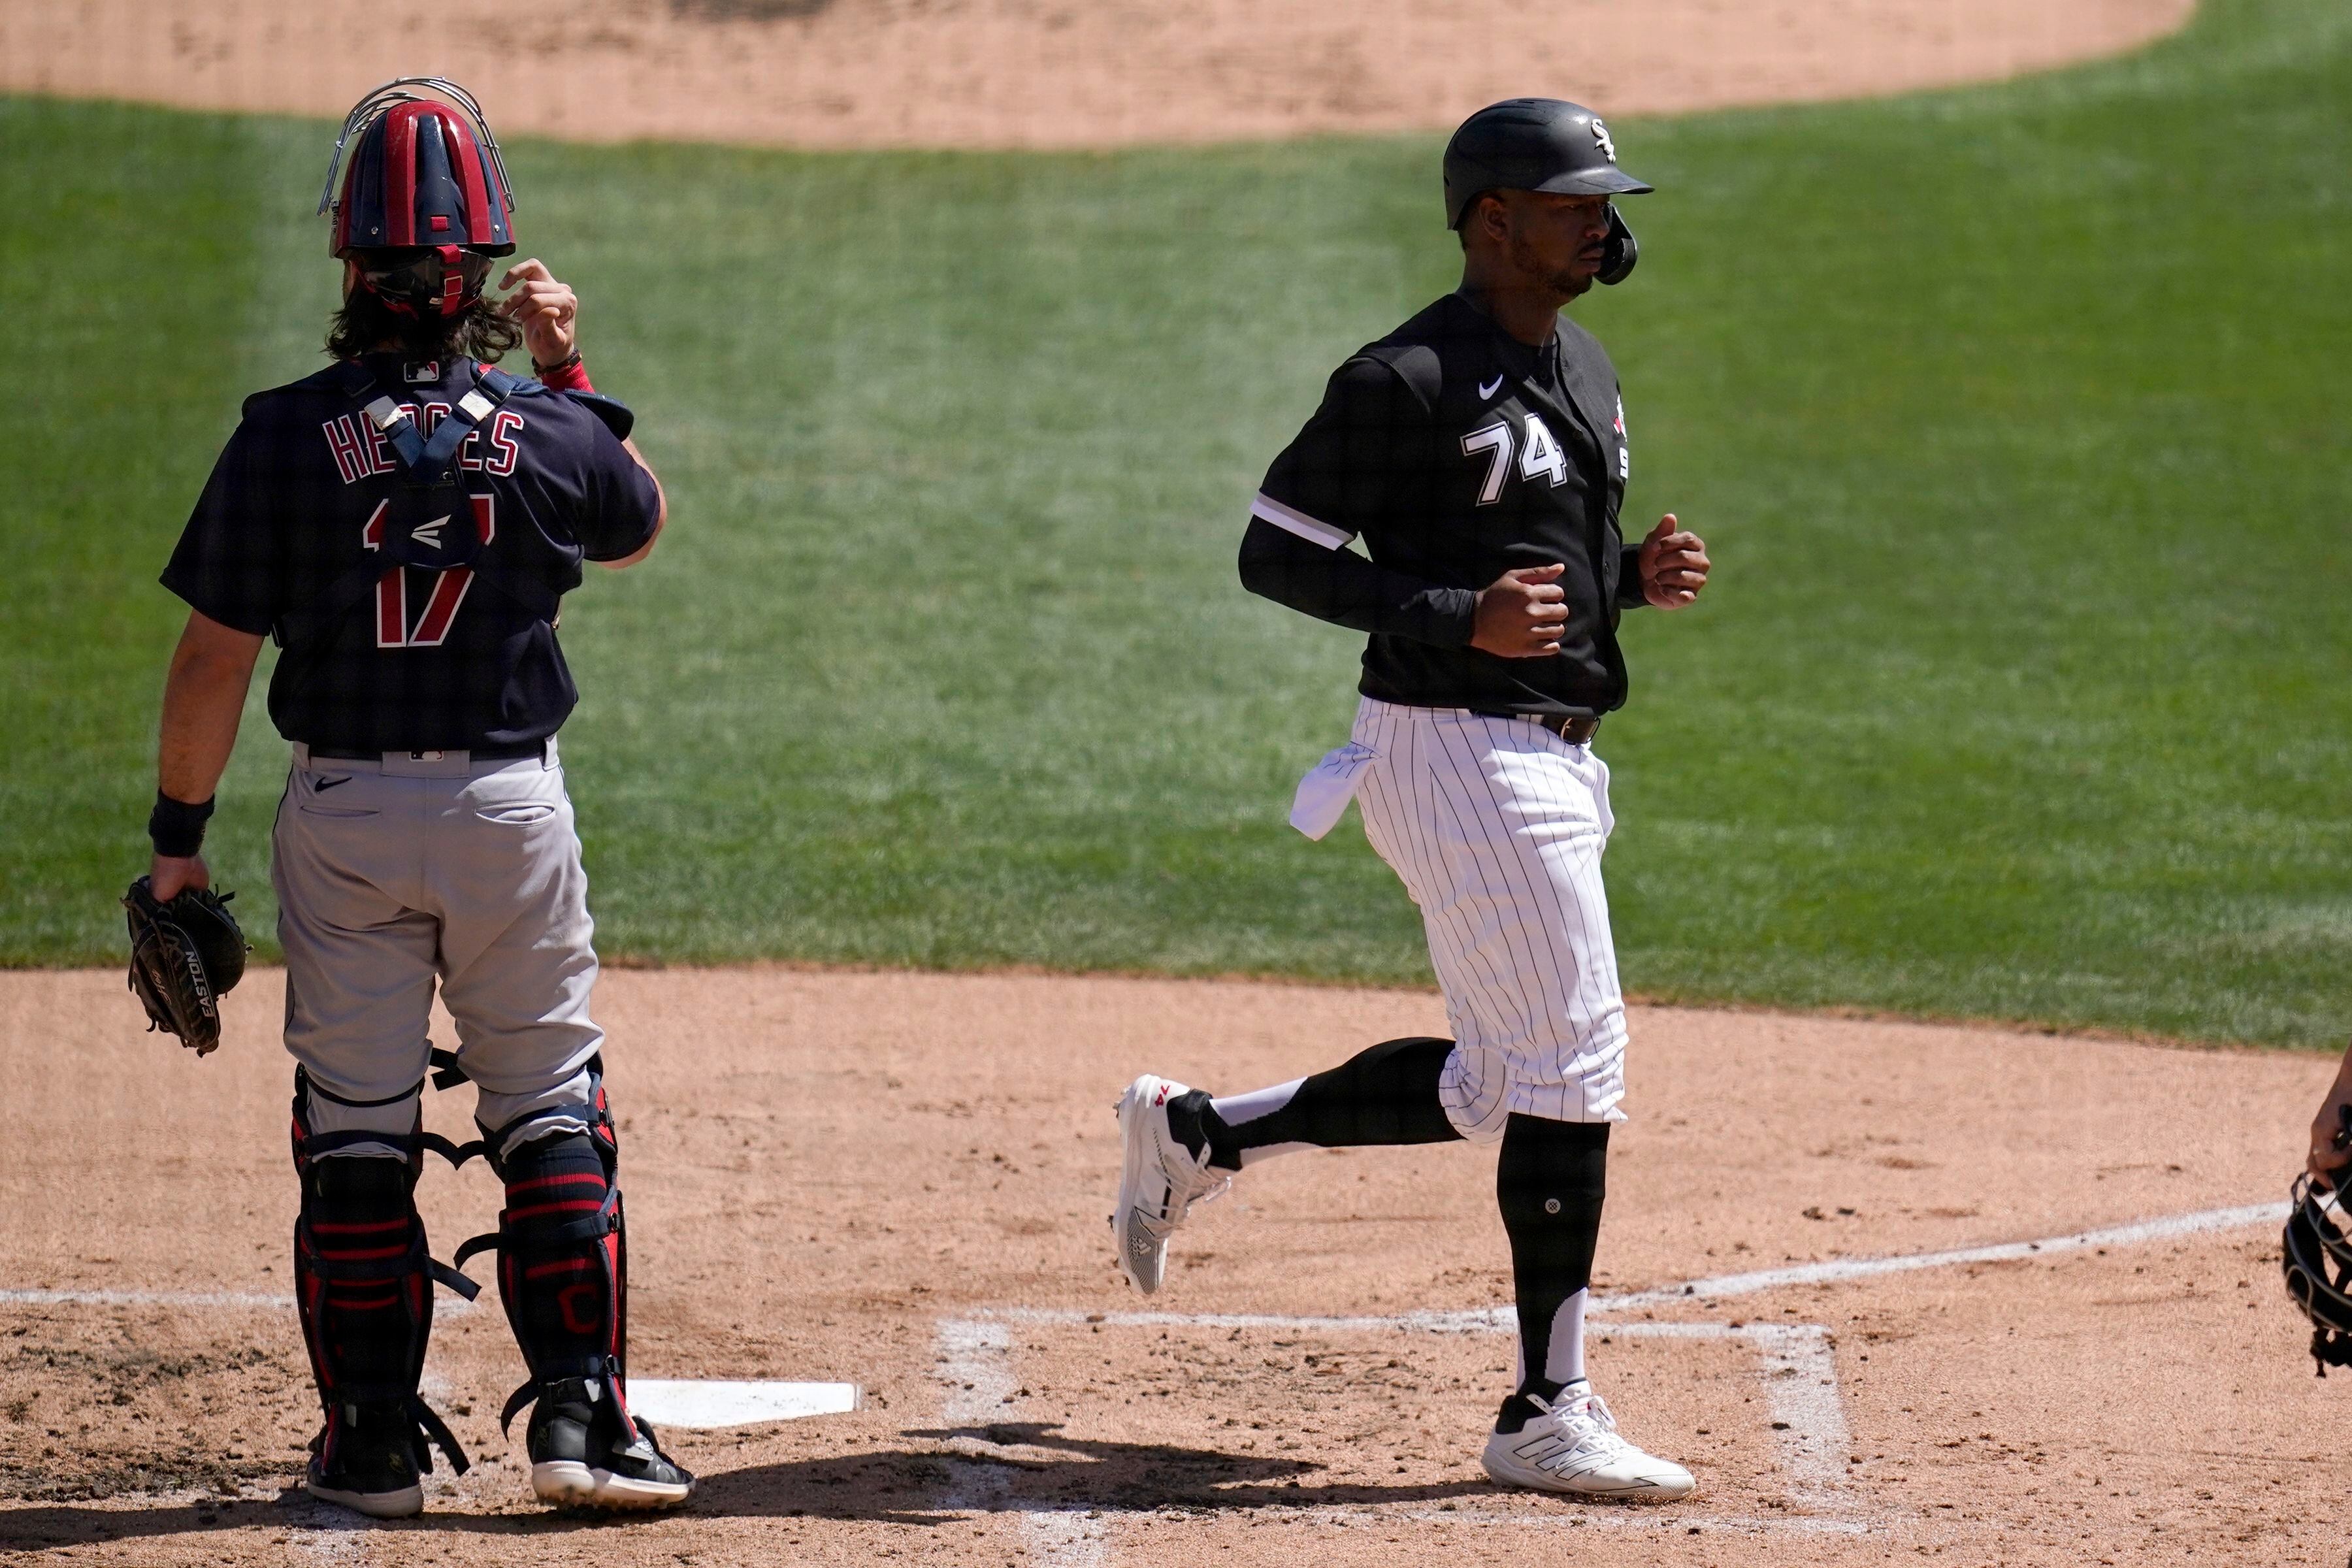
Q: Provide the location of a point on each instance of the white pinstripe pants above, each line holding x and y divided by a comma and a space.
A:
1496, 826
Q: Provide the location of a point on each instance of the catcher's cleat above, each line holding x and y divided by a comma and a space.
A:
1572, 1445
365, 1460
1160, 1181
588, 1452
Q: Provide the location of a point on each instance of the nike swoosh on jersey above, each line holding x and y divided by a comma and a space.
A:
1487, 390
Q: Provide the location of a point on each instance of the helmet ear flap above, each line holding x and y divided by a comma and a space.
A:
1620, 251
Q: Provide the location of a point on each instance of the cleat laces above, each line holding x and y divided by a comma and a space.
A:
1584, 1429
1190, 1183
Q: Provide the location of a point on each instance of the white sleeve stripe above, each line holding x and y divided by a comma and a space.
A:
1292, 520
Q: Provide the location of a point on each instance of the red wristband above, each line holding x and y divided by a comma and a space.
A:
570, 376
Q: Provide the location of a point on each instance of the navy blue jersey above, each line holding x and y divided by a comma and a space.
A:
429, 660
1457, 453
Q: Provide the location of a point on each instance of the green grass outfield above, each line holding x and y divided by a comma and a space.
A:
2015, 418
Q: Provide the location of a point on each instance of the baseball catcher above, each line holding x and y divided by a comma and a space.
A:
1479, 452
404, 524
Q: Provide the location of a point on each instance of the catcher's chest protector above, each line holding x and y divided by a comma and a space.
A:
429, 521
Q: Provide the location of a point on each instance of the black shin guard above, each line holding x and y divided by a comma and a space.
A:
563, 1252
1549, 1181
1387, 1094
363, 1284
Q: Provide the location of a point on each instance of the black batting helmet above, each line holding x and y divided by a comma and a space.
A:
425, 200
1541, 144
2318, 1264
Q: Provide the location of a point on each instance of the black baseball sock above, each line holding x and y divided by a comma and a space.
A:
1550, 1182
1387, 1094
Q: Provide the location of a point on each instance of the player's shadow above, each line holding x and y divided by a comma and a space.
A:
1032, 1466
1024, 1466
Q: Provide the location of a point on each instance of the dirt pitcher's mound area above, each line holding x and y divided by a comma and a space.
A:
1041, 73
1983, 1296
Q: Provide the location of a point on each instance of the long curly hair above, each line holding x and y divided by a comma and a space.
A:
366, 323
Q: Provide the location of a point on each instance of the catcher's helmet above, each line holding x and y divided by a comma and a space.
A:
2319, 1265
1541, 144
424, 199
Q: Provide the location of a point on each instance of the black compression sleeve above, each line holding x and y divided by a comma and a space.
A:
1550, 1182
1386, 1094
1342, 588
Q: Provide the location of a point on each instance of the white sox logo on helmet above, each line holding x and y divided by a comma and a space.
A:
1601, 137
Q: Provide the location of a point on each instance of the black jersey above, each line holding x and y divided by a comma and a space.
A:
429, 660
1457, 453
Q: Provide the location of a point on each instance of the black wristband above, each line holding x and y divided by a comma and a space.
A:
177, 827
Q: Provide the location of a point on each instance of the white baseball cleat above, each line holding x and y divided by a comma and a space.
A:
1573, 1446
1160, 1180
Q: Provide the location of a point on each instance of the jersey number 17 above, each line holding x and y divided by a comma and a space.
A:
441, 602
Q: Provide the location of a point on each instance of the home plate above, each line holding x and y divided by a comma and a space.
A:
714, 1402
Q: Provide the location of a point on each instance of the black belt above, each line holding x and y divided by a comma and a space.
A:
1576, 729
478, 753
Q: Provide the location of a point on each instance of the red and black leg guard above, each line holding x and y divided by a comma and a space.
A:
364, 1280
563, 1271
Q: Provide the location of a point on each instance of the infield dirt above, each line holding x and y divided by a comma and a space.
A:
1041, 73
828, 1173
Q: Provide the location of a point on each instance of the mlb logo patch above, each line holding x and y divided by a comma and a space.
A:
430, 370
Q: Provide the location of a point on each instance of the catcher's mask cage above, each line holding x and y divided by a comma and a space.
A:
2319, 1265
424, 199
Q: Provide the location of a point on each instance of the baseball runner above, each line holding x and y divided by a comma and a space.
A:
1479, 452
404, 523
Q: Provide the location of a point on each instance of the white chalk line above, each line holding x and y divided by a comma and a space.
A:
1835, 1271
1800, 1385
449, 1302
976, 1364
1840, 1270
143, 1298
1802, 1393
1800, 1381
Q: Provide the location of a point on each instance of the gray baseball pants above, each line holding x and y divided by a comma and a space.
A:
396, 875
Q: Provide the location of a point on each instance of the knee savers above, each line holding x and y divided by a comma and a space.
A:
362, 1277
562, 1248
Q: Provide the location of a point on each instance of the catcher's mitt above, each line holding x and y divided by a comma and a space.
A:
185, 955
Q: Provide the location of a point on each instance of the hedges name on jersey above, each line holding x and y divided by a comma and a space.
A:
432, 660
405, 523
